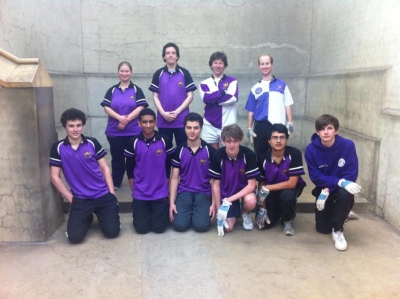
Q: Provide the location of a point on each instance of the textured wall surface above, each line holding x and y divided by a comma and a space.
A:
30, 209
82, 42
355, 70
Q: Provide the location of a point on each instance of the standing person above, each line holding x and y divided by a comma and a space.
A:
122, 103
280, 184
233, 169
148, 165
333, 168
85, 169
172, 88
191, 203
220, 94
268, 103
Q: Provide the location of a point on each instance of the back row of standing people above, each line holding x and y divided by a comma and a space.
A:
268, 102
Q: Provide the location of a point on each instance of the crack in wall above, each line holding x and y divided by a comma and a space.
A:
269, 45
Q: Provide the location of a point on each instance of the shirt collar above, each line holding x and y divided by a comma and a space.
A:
165, 69
268, 156
66, 141
272, 79
130, 85
220, 79
156, 136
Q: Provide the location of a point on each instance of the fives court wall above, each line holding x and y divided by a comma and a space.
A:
337, 57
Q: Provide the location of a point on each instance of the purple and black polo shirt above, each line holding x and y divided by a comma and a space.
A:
149, 163
193, 168
172, 89
291, 165
233, 173
123, 102
80, 167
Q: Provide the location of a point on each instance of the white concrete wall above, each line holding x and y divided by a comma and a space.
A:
355, 75
82, 42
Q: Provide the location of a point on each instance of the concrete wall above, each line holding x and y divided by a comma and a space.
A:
354, 74
337, 56
82, 42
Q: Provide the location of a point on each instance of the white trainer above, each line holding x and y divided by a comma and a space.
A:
352, 215
340, 241
247, 222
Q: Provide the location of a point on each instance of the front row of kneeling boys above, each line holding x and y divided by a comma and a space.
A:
191, 200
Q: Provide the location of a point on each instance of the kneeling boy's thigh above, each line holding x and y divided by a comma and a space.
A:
107, 211
184, 208
201, 218
159, 215
141, 212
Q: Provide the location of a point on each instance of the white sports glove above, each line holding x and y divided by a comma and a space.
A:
322, 199
262, 217
251, 135
351, 187
262, 195
221, 217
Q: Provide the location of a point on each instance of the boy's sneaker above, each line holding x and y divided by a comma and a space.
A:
340, 241
116, 188
352, 215
288, 229
247, 222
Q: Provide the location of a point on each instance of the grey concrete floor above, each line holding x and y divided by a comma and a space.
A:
256, 264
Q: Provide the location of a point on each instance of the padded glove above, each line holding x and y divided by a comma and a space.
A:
221, 217
350, 186
262, 195
322, 199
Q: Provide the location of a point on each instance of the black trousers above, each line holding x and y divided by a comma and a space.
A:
282, 205
179, 133
150, 215
261, 144
80, 216
117, 147
336, 211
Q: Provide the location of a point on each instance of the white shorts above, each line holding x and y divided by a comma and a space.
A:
211, 134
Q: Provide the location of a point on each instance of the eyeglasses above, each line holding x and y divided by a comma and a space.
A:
276, 138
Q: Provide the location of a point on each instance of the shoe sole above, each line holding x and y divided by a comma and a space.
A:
289, 234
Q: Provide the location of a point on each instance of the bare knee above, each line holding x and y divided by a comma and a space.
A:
249, 202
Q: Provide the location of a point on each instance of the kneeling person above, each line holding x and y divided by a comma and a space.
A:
233, 169
85, 169
281, 167
148, 164
191, 202
333, 168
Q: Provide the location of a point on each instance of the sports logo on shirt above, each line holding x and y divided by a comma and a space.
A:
87, 154
258, 90
159, 152
341, 162
132, 98
203, 161
180, 83
241, 171
226, 85
280, 87
286, 171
